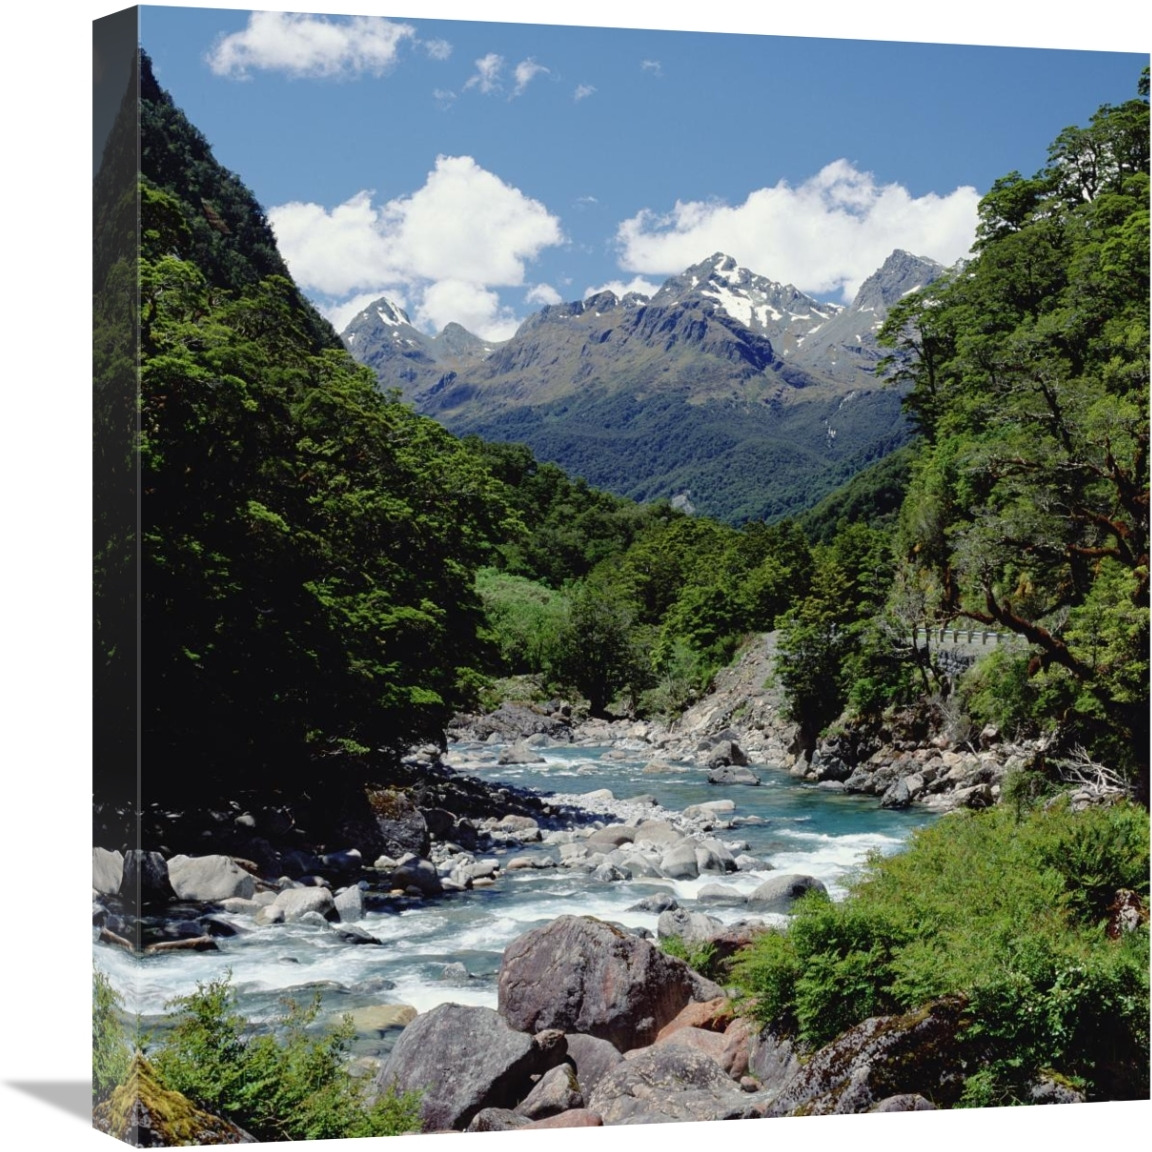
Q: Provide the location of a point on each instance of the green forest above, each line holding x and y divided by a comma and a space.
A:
328, 574
328, 577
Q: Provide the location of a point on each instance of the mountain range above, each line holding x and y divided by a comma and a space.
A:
741, 396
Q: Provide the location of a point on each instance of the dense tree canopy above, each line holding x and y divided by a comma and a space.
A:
1029, 375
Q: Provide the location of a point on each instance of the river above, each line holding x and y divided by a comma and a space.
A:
796, 827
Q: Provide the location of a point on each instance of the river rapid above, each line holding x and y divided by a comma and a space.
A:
785, 823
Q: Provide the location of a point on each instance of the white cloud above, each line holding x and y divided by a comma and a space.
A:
583, 91
653, 66
487, 74
542, 294
444, 98
636, 284
830, 232
437, 49
336, 252
446, 245
309, 46
476, 307
526, 70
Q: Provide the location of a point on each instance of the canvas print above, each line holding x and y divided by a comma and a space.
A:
621, 576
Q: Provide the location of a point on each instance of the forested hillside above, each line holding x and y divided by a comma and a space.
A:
312, 546
1028, 503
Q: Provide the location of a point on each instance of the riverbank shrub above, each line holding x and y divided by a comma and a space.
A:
111, 1051
289, 1083
700, 956
1012, 913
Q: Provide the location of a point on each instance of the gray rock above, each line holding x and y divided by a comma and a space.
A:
513, 823
556, 1091
879, 1058
658, 834
293, 903
733, 775
611, 837
400, 826
772, 1060
721, 896
497, 1120
145, 878
679, 863
464, 1060
725, 752
209, 878
582, 975
906, 1102
659, 903
779, 893
718, 859
520, 753
592, 1057
350, 934
691, 927
704, 812
637, 867
107, 871
1048, 1091
349, 904
898, 796
670, 1082
419, 874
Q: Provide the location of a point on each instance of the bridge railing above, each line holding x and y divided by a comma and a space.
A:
967, 637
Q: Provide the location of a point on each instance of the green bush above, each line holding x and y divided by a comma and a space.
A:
700, 957
111, 1051
1003, 909
288, 1084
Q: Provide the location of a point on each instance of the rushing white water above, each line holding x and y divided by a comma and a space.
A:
795, 828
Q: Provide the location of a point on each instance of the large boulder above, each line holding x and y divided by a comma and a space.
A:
210, 878
418, 874
773, 1060
670, 1082
294, 904
691, 927
592, 1058
582, 975
465, 1059
400, 825
679, 862
882, 1057
733, 774
145, 878
779, 893
556, 1091
725, 752
107, 871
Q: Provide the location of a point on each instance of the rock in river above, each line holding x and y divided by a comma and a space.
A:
465, 1059
582, 975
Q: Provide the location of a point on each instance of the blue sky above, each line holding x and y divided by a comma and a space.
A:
474, 171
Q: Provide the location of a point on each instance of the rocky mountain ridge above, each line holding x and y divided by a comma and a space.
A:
751, 396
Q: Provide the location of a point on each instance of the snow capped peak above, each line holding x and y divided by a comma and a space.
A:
387, 312
722, 263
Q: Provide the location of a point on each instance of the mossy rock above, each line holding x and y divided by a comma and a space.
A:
143, 1113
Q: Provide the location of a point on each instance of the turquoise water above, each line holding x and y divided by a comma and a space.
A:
806, 829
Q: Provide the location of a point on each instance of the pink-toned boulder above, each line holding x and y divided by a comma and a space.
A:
582, 975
